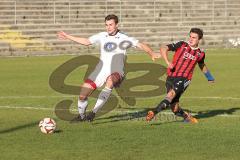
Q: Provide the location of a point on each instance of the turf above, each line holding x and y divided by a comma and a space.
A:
26, 97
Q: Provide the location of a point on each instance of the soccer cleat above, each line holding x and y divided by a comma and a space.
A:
190, 119
150, 116
78, 119
90, 116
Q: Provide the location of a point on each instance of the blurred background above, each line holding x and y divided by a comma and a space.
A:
30, 27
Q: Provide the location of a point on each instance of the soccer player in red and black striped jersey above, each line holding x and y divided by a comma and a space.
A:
180, 71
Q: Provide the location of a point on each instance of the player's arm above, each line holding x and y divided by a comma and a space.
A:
170, 47
206, 72
164, 53
83, 41
148, 50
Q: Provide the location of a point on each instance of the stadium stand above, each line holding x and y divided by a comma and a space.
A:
29, 27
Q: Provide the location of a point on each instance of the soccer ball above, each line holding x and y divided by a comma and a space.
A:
47, 125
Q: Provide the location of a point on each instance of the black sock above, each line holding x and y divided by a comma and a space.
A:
179, 113
162, 105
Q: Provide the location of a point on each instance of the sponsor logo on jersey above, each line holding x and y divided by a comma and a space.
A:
187, 55
125, 45
110, 46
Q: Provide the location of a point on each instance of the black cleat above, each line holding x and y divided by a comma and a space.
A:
78, 119
90, 116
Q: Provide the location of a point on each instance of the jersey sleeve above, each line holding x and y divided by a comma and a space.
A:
95, 38
133, 40
202, 58
175, 46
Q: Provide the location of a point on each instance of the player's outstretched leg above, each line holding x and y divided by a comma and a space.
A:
82, 105
189, 118
86, 90
102, 99
181, 113
161, 106
112, 81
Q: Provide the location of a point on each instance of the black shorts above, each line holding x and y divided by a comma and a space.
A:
178, 84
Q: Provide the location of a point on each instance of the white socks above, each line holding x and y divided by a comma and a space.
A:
102, 99
82, 105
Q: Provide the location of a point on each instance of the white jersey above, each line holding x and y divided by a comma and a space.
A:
113, 51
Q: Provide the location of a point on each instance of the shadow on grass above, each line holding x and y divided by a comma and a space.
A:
137, 116
162, 118
58, 131
213, 113
35, 124
19, 127
123, 116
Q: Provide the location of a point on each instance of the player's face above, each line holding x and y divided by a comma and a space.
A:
193, 40
111, 27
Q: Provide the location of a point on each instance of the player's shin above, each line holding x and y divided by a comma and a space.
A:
82, 105
180, 113
102, 99
162, 105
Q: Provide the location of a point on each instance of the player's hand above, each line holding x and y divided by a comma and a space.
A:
212, 81
156, 55
62, 35
170, 65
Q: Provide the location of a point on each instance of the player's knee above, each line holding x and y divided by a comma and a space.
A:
172, 93
109, 84
82, 97
113, 80
114, 77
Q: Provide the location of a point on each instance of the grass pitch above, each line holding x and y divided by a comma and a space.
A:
26, 97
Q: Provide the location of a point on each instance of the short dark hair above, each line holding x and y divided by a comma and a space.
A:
198, 31
111, 16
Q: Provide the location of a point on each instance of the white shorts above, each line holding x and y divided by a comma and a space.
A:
97, 79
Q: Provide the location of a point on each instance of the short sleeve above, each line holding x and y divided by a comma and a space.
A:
133, 40
95, 38
175, 46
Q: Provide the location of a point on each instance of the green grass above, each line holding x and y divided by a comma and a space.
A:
26, 98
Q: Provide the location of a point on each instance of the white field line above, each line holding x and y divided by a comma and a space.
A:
224, 98
34, 97
25, 107
72, 96
97, 54
114, 111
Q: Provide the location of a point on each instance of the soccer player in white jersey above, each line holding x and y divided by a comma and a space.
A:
109, 71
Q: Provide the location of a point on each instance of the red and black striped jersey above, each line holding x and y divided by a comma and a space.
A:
184, 59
